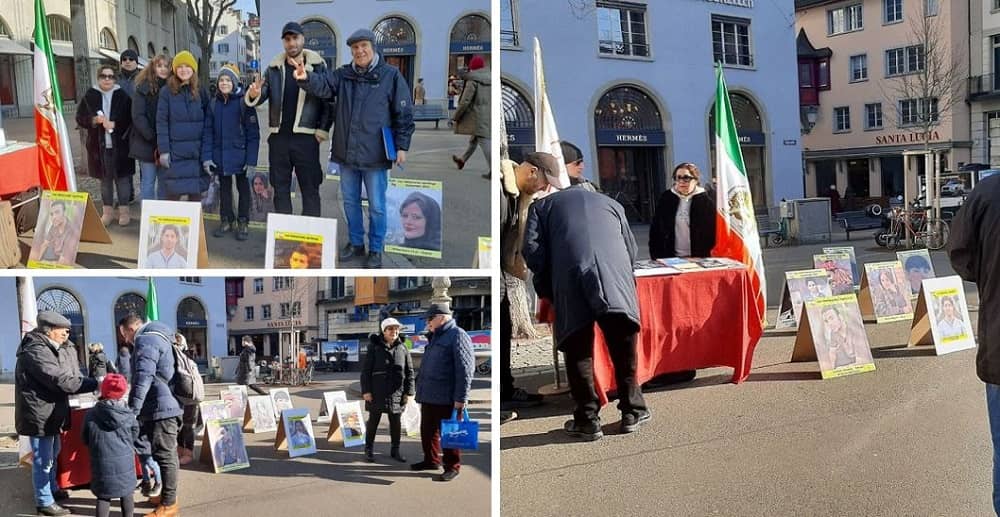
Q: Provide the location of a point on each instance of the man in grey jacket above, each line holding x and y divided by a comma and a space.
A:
443, 385
580, 248
45, 375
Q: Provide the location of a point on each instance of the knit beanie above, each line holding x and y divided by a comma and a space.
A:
114, 386
229, 70
476, 63
185, 58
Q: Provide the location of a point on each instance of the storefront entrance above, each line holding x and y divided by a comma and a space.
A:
398, 43
192, 323
321, 39
469, 37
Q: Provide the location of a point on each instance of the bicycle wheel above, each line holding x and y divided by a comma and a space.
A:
936, 234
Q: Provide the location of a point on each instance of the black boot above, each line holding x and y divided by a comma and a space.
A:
369, 453
224, 228
396, 455
242, 231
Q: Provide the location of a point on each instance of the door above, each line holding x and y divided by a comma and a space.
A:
404, 64
633, 176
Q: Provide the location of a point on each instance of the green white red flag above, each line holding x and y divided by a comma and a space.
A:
55, 159
736, 235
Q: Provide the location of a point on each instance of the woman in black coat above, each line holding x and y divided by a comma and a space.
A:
387, 384
684, 222
142, 144
106, 114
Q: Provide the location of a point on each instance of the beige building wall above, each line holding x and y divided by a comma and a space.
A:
304, 292
985, 25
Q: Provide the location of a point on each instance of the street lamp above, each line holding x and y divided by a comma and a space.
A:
809, 115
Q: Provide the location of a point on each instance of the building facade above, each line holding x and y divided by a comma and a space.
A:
636, 94
149, 27
231, 43
858, 63
194, 306
274, 311
984, 82
429, 39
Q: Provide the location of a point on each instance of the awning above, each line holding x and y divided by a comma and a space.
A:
8, 46
65, 49
116, 56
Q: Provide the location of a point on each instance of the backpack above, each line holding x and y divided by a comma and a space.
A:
187, 386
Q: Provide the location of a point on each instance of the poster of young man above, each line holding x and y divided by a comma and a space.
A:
58, 230
918, 267
352, 423
281, 400
300, 242
855, 271
951, 325
838, 334
800, 287
414, 212
262, 412
234, 403
229, 451
169, 235
890, 292
838, 268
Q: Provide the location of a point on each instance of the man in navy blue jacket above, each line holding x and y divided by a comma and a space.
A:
443, 385
370, 96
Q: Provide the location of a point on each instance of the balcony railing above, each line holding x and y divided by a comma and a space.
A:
981, 85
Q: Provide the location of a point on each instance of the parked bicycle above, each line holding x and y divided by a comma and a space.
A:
918, 223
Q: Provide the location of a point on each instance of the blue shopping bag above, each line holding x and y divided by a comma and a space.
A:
460, 434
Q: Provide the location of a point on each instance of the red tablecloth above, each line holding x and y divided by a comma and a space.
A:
693, 320
18, 170
73, 465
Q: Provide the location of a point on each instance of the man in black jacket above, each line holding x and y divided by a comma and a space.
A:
976, 258
298, 121
45, 376
580, 248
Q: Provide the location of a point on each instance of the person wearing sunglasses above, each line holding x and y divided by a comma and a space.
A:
106, 114
573, 157
684, 222
129, 70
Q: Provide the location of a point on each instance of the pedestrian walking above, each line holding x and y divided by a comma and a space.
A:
372, 99
245, 374
142, 142
579, 246
180, 124
975, 257
419, 92
106, 113
109, 430
98, 365
446, 371
472, 116
386, 385
45, 375
230, 144
299, 121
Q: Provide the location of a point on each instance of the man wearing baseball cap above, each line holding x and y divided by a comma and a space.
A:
519, 184
443, 386
298, 120
45, 375
373, 112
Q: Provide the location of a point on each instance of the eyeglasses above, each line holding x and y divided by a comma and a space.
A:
124, 59
107, 76
684, 178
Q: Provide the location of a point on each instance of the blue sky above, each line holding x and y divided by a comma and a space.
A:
246, 6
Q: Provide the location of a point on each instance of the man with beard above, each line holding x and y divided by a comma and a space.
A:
60, 240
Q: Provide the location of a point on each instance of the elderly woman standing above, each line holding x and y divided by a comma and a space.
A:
684, 222
386, 384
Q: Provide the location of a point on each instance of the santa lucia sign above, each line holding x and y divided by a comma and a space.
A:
906, 138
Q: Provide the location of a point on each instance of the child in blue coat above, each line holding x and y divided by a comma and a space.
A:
109, 430
230, 144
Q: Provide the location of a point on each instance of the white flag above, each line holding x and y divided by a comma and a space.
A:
546, 134
29, 314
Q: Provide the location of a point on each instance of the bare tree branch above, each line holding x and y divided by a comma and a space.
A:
582, 8
208, 14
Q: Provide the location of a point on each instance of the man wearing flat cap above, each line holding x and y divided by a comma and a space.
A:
443, 384
373, 111
46, 374
298, 122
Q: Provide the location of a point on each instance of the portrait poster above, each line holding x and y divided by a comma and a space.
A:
295, 433
259, 416
334, 349
172, 236
414, 212
329, 403
347, 425
240, 388
800, 286
838, 268
300, 242
261, 198
918, 267
833, 334
942, 317
281, 400
225, 445
885, 292
58, 230
855, 271
234, 402
214, 410
211, 199
481, 260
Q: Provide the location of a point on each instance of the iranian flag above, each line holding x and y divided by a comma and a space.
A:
546, 134
736, 234
152, 307
55, 159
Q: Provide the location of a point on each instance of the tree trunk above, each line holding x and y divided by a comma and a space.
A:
520, 314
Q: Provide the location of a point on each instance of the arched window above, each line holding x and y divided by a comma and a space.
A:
4, 29
744, 111
130, 303
753, 142
394, 32
519, 121
150, 50
470, 28
320, 38
63, 302
107, 39
59, 28
133, 44
192, 323
626, 107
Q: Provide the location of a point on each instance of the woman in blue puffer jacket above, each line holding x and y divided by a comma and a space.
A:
180, 124
229, 147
